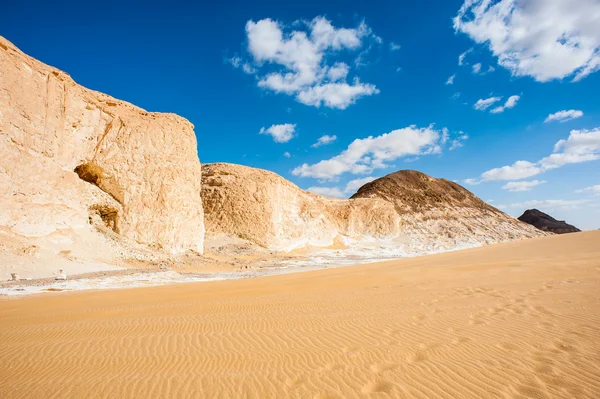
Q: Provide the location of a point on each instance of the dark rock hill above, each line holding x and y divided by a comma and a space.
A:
546, 222
413, 191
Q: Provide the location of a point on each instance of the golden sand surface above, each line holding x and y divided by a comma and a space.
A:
516, 320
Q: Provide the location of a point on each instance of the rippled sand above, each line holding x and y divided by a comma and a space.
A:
510, 320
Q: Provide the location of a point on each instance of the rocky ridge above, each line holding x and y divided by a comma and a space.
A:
406, 212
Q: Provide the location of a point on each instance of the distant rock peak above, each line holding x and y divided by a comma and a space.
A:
546, 222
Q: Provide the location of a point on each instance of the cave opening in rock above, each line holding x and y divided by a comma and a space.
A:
99, 213
109, 216
89, 172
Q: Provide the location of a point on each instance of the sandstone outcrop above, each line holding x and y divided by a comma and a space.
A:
406, 212
546, 222
74, 161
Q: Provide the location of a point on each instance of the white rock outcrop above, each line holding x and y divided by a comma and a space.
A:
71, 157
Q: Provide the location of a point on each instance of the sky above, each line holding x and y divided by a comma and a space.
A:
499, 96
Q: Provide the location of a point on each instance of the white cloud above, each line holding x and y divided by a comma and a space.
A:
518, 170
592, 189
482, 104
564, 115
461, 58
354, 185
459, 141
544, 39
394, 46
336, 95
324, 140
450, 80
327, 191
510, 103
280, 133
297, 63
471, 182
518, 186
580, 146
237, 62
338, 71
548, 204
364, 155
478, 71
287, 154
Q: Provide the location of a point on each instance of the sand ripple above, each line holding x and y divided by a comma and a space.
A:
518, 320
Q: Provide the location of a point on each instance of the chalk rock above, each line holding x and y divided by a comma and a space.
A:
71, 158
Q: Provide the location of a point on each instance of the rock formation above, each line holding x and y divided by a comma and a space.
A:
74, 161
546, 222
406, 212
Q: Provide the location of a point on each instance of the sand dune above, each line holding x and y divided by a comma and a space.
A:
516, 320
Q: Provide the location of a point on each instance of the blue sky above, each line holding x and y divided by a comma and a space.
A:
263, 81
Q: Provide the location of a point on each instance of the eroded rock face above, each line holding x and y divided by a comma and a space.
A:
406, 212
546, 222
262, 207
71, 157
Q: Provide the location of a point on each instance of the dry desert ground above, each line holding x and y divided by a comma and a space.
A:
515, 320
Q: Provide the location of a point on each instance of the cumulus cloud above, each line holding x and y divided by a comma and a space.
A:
364, 155
354, 185
327, 191
298, 62
336, 95
287, 154
565, 44
280, 133
592, 189
476, 68
324, 140
450, 80
510, 103
518, 186
580, 146
338, 72
564, 115
518, 170
472, 182
483, 104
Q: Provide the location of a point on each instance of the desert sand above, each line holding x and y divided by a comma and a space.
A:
519, 319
